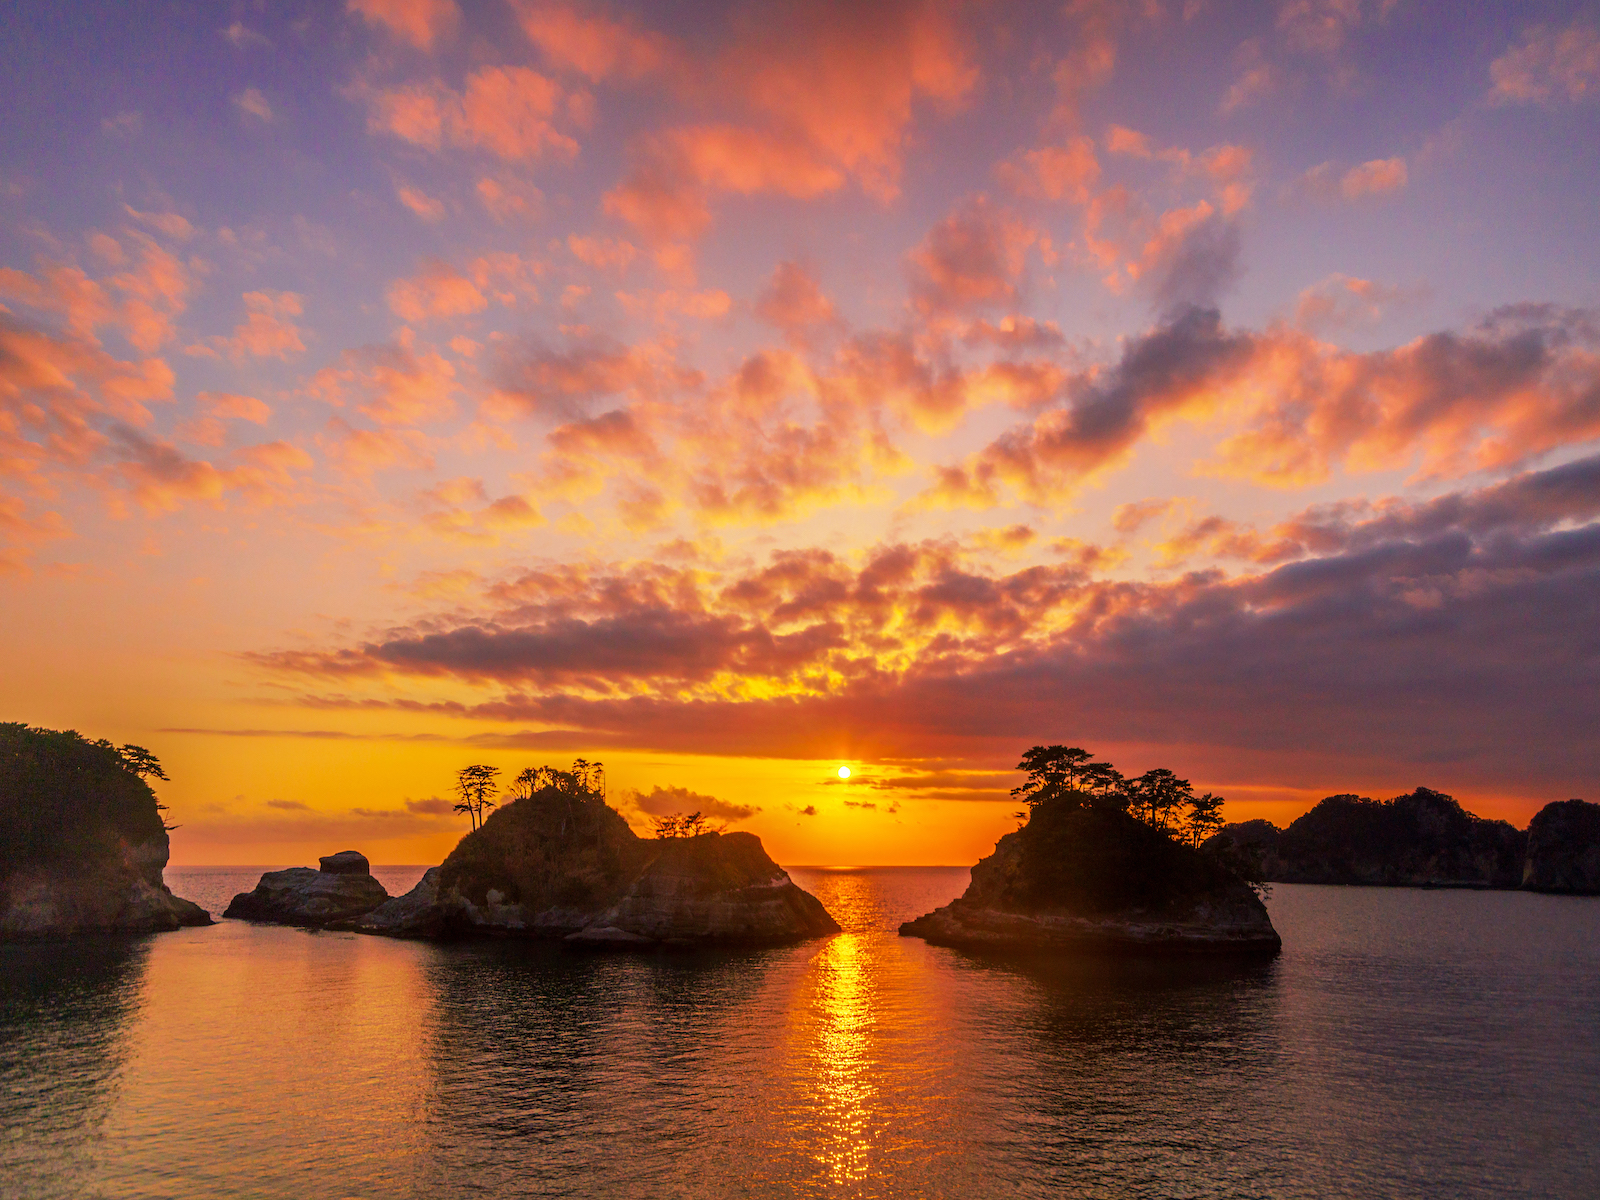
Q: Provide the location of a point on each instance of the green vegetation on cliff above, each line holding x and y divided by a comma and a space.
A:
67, 800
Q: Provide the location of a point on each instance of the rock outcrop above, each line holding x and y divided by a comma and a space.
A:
1564, 849
82, 842
346, 862
1084, 878
342, 891
562, 865
1422, 839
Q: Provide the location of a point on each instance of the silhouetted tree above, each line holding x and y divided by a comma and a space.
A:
141, 762
475, 784
678, 825
1052, 771
1158, 795
1204, 818
146, 766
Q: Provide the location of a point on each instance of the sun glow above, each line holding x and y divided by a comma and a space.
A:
844, 772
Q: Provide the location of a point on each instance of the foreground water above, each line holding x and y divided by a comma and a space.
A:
1406, 1043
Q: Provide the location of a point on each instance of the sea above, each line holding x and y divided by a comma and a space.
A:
1407, 1043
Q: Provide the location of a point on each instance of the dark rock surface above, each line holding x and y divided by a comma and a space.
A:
1564, 849
1083, 878
562, 865
301, 896
82, 842
346, 862
1422, 839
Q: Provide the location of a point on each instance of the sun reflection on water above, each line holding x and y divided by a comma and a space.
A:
842, 1062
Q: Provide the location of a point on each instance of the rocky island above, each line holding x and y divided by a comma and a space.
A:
559, 864
1424, 838
82, 841
1102, 865
340, 890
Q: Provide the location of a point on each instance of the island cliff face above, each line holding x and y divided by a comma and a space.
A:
1078, 877
82, 842
564, 866
1425, 839
1564, 849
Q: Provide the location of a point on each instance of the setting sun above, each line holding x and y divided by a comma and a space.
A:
844, 772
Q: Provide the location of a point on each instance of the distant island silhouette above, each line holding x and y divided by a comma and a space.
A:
1424, 839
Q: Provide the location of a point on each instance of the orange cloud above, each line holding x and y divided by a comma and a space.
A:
438, 291
1550, 64
795, 304
267, 331
828, 100
393, 384
593, 44
421, 204
419, 22
507, 111
1516, 387
360, 452
1065, 172
972, 259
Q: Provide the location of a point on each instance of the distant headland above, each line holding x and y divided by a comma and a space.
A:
1425, 839
82, 839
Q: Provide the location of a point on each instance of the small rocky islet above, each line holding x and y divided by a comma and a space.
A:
560, 865
1086, 877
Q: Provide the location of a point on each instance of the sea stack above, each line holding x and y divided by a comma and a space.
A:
342, 890
1083, 877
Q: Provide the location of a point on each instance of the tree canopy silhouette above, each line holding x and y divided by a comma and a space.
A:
1070, 776
475, 785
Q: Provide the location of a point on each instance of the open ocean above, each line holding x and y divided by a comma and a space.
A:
1407, 1043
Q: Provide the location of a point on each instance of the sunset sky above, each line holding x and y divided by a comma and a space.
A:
732, 392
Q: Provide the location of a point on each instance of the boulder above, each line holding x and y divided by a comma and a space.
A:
301, 896
346, 862
562, 865
1564, 849
1081, 877
82, 841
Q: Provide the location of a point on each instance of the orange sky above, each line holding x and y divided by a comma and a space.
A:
729, 394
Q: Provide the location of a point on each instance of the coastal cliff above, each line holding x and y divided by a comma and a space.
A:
562, 865
1564, 849
1424, 839
1083, 876
82, 842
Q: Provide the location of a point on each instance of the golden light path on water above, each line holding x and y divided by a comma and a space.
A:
842, 1058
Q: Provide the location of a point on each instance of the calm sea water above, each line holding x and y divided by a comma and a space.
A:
1407, 1043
